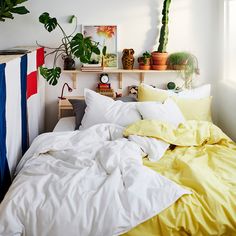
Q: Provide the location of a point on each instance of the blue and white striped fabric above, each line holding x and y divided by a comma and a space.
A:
5, 178
19, 104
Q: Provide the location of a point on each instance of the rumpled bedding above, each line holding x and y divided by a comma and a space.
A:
91, 182
203, 160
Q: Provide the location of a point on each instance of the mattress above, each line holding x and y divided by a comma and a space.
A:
65, 124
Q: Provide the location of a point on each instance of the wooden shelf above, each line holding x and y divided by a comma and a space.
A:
66, 105
74, 74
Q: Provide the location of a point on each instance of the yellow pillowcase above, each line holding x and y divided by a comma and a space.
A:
195, 109
192, 109
146, 94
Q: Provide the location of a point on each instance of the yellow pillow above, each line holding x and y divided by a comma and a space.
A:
147, 93
192, 109
195, 109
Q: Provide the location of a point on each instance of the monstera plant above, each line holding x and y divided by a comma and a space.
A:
10, 7
72, 46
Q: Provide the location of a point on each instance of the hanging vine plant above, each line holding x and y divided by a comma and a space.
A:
10, 7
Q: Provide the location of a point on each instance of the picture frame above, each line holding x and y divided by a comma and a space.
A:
106, 35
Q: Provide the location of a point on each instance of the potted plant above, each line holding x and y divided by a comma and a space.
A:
187, 63
10, 7
160, 56
72, 46
145, 61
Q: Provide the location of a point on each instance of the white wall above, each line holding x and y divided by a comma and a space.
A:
192, 28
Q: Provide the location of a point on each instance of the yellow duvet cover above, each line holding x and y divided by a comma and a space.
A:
203, 161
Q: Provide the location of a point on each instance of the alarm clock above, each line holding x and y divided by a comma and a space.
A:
104, 79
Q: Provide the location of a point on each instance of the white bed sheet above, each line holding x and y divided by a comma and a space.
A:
65, 124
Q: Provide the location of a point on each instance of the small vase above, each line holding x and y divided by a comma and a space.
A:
69, 63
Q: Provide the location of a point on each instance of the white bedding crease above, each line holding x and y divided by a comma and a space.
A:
89, 182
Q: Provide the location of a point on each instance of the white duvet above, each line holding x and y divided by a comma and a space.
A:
84, 183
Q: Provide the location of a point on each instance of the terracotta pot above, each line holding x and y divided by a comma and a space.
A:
141, 61
159, 67
144, 67
159, 58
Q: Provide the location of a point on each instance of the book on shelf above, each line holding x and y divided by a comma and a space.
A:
106, 92
91, 69
104, 86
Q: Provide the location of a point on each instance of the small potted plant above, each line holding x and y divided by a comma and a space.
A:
145, 61
186, 63
72, 46
160, 56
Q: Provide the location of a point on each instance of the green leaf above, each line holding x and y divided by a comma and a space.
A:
9, 3
104, 51
51, 75
20, 1
7, 15
49, 23
96, 50
19, 10
71, 18
44, 17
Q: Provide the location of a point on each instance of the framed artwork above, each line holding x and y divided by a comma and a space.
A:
106, 35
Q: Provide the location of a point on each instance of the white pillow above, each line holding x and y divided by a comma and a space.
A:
154, 148
195, 93
102, 109
167, 112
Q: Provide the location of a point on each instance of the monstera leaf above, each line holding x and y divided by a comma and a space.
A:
10, 7
83, 47
51, 75
50, 23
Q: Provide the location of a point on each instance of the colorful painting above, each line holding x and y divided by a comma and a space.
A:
106, 35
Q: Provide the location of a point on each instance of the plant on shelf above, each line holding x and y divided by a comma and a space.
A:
72, 46
186, 63
145, 61
10, 7
160, 56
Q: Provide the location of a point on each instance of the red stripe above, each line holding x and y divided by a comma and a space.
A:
32, 85
40, 57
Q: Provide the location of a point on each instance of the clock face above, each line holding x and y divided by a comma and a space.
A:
104, 78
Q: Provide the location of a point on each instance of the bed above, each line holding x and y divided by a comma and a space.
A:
138, 173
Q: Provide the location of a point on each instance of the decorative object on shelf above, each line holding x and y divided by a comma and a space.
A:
104, 88
104, 78
128, 59
145, 61
72, 46
92, 67
106, 35
160, 56
133, 91
187, 63
171, 86
8, 8
62, 91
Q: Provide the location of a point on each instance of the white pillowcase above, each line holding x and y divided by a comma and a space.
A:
167, 112
195, 93
102, 109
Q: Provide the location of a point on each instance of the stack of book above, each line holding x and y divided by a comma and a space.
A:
92, 67
105, 89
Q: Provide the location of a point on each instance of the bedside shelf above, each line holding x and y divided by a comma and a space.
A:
75, 73
66, 105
